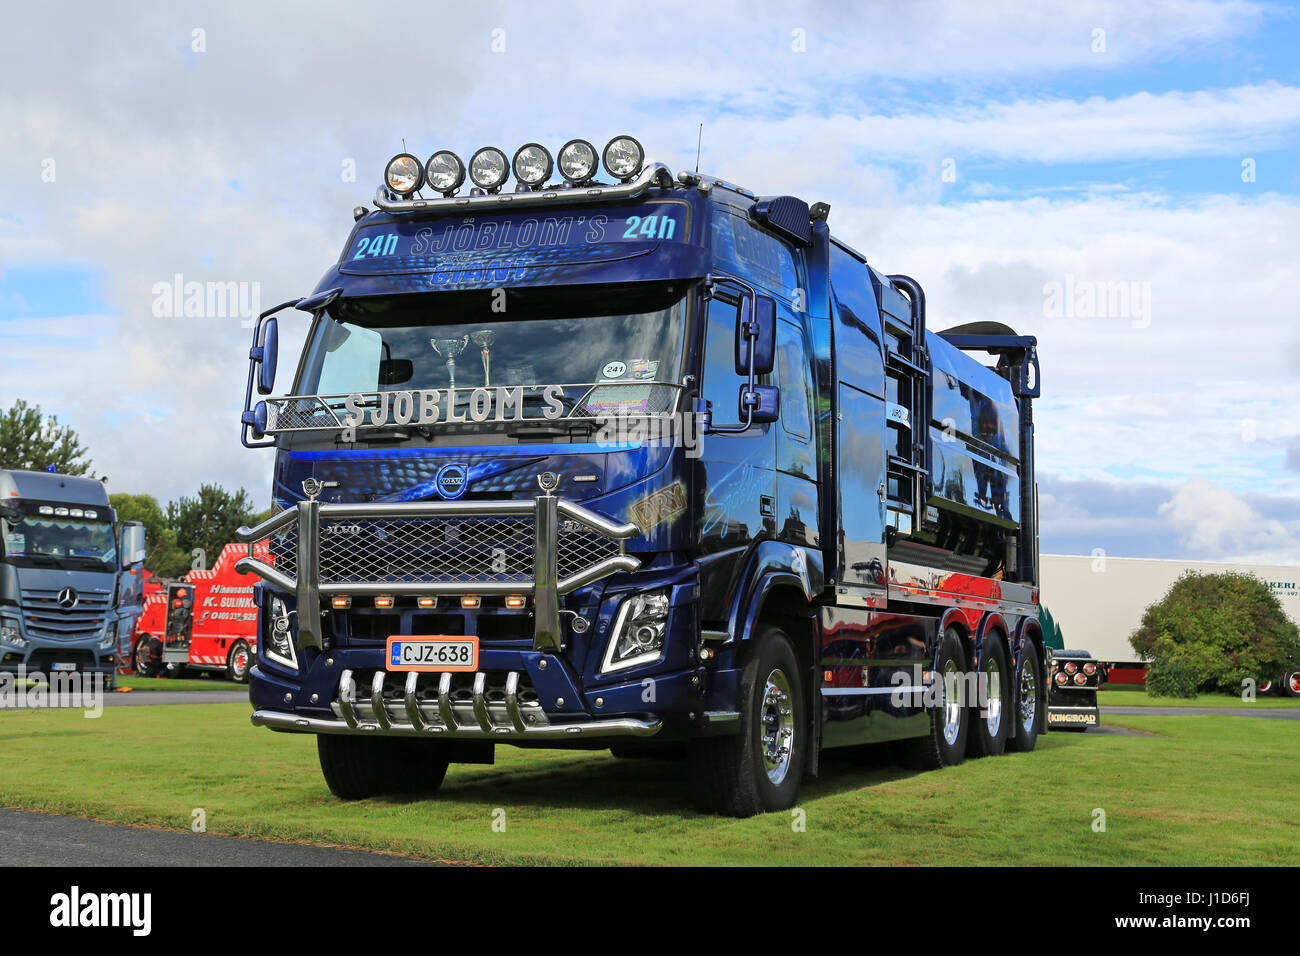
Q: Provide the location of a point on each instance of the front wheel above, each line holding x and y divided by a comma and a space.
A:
241, 658
360, 767
758, 769
142, 657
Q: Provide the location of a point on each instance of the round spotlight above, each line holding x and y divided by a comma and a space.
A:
1061, 678
403, 174
532, 164
623, 157
1090, 669
1071, 667
1080, 679
577, 161
444, 172
489, 168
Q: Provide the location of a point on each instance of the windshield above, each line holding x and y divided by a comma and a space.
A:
604, 345
59, 541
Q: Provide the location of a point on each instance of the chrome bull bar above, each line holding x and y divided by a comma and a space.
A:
479, 719
545, 586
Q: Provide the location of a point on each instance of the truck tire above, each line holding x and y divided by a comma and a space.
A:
239, 663
1266, 688
758, 769
945, 744
991, 724
1029, 710
360, 767
1291, 684
142, 657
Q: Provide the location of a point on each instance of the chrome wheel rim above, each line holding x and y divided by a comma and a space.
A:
951, 704
1028, 694
241, 662
1294, 681
993, 706
776, 725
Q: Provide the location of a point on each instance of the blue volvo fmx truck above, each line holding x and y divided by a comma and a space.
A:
71, 576
651, 464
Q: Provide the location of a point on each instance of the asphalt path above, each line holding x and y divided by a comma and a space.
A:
1273, 713
40, 839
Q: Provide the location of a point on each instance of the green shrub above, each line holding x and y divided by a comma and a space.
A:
1211, 632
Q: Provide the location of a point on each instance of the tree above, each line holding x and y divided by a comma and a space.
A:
1214, 631
163, 555
33, 443
209, 519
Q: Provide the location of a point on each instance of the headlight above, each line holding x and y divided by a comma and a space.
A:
639, 631
278, 645
444, 172
488, 168
532, 164
9, 634
403, 174
577, 161
623, 157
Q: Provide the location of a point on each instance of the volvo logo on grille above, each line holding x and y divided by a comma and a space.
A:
67, 598
452, 480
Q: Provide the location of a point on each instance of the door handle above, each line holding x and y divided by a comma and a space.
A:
767, 506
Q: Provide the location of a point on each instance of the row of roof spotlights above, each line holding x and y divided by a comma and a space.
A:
488, 169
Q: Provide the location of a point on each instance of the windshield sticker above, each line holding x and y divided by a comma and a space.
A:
624, 397
15, 543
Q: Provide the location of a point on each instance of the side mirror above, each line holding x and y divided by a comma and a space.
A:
762, 403
756, 336
266, 355
131, 543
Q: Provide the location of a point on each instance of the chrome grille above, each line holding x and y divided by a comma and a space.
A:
309, 412
283, 547
45, 620
453, 549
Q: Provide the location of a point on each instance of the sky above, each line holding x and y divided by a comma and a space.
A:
1121, 180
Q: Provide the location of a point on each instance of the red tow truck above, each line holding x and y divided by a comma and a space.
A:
205, 621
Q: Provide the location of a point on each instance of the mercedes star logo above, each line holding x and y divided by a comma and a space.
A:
67, 598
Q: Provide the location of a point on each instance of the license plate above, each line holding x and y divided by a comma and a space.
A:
63, 667
433, 654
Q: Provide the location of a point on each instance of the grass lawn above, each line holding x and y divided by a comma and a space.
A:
179, 683
1205, 791
1138, 697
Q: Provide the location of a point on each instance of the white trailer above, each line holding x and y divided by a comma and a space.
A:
1098, 601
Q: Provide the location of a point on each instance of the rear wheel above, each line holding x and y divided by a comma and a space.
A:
1029, 702
241, 659
758, 769
1291, 684
991, 711
360, 767
945, 744
1265, 688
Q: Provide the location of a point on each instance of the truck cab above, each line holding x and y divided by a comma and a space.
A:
643, 464
71, 575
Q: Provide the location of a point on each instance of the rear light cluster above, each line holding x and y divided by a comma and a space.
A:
469, 602
1072, 672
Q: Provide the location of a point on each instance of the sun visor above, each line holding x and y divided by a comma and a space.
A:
647, 241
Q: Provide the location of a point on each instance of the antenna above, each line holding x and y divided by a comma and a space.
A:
698, 143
